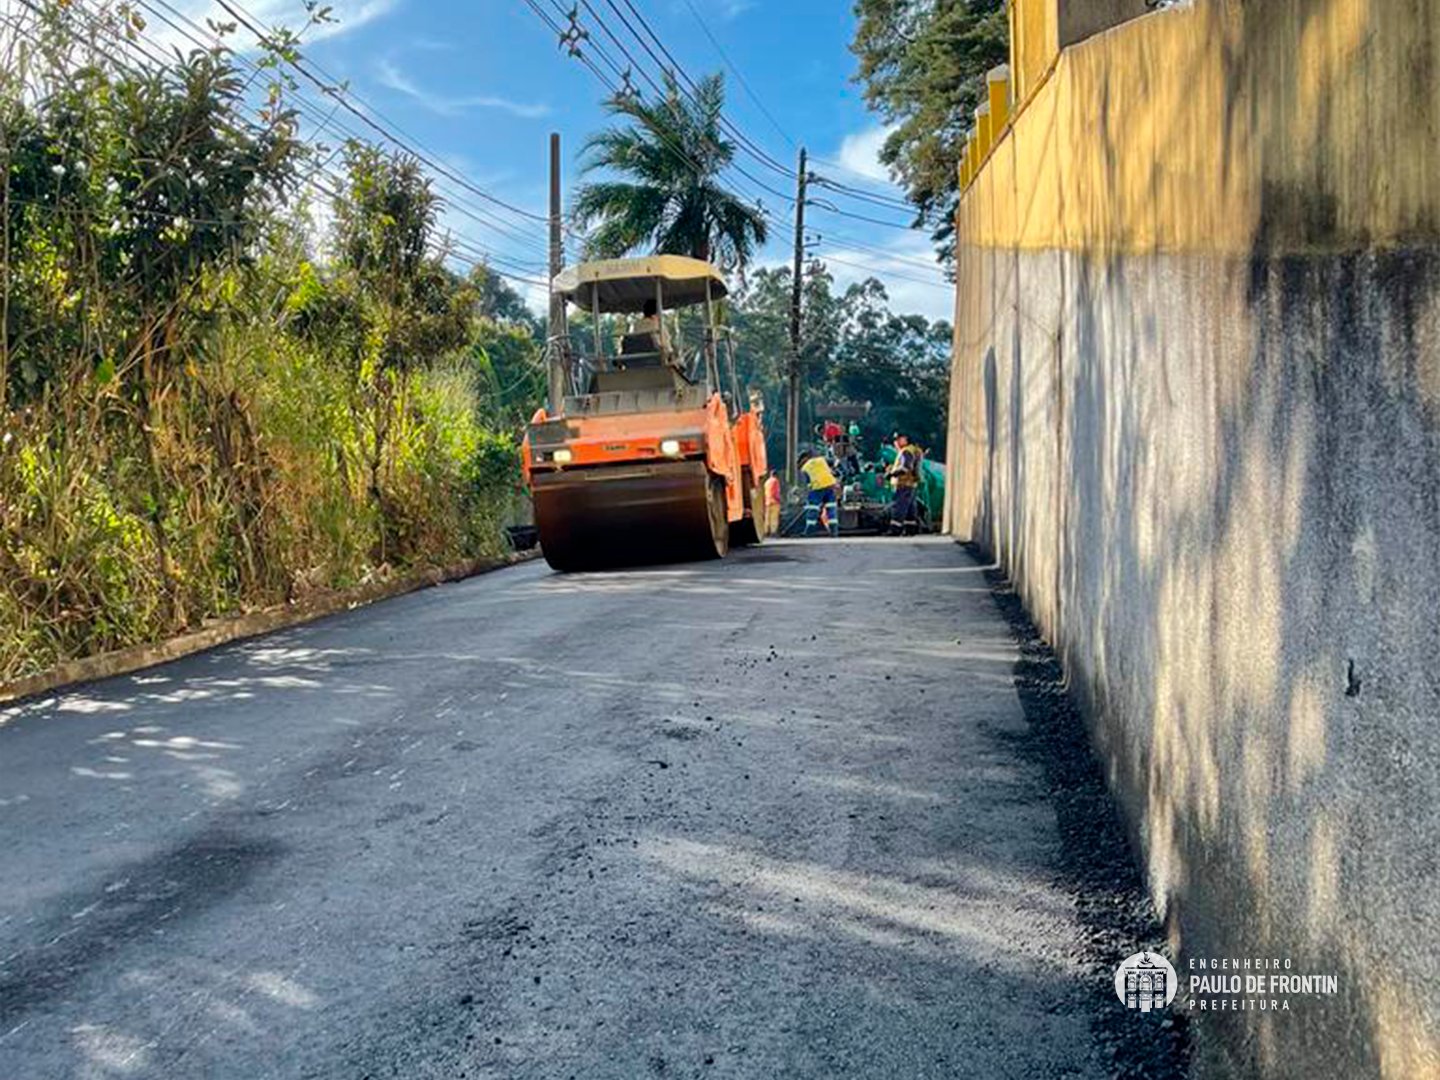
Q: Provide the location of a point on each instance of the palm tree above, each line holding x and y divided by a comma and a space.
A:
674, 150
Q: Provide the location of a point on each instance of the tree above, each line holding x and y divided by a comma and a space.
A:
499, 301
673, 150
200, 411
762, 321
923, 65
853, 348
124, 191
511, 368
507, 353
898, 363
392, 307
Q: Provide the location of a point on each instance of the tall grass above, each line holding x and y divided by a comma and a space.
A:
263, 453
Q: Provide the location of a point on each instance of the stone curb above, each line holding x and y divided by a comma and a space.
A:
227, 629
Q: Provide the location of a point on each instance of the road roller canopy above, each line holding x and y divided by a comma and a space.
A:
622, 286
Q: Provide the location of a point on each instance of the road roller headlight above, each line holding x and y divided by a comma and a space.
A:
670, 448
562, 457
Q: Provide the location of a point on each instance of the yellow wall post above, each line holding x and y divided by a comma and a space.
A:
1039, 29
997, 84
1017, 47
1034, 42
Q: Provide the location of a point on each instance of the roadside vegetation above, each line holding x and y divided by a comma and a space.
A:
208, 401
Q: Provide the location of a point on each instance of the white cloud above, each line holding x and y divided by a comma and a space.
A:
914, 283
912, 288
860, 154
724, 10
908, 298
346, 15
349, 16
903, 260
395, 79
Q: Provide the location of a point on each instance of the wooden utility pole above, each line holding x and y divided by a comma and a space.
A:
797, 297
556, 343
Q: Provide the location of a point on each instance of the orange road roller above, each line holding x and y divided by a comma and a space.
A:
652, 457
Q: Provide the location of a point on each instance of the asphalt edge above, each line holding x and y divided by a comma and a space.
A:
231, 628
1099, 869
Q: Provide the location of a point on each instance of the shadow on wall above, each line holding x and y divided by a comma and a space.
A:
1250, 456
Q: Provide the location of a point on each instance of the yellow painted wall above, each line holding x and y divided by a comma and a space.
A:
1149, 138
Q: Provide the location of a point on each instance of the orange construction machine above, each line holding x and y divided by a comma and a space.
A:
655, 458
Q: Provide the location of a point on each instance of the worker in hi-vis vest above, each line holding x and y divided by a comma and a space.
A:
822, 495
904, 473
772, 504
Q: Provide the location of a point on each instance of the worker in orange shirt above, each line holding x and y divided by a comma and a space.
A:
772, 503
822, 496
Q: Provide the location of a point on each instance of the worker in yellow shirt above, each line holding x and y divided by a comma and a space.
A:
820, 479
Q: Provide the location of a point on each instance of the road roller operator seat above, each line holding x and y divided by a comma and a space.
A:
641, 350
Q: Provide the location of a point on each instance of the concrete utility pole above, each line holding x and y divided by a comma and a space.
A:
797, 296
555, 333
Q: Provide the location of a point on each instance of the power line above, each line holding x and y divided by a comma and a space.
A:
137, 45
326, 123
749, 144
568, 38
679, 70
572, 37
831, 208
335, 91
849, 190
888, 201
842, 167
658, 89
860, 245
819, 204
442, 246
888, 273
578, 34
740, 78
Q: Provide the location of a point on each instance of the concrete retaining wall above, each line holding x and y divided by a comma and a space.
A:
1196, 416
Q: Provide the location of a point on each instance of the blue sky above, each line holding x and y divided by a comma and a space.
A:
480, 84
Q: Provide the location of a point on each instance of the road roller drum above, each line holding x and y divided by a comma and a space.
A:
630, 515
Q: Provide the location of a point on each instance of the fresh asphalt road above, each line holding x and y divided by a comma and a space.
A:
756, 818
